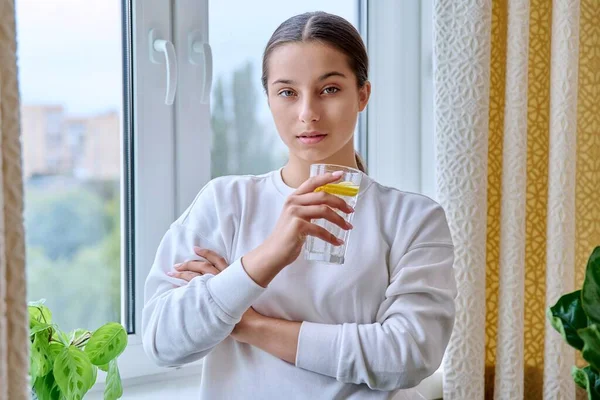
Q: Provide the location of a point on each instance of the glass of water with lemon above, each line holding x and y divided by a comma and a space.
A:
347, 187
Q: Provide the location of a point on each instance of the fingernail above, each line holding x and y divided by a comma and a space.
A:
171, 273
350, 225
196, 248
340, 241
177, 265
337, 173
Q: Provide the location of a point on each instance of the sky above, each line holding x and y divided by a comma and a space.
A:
69, 51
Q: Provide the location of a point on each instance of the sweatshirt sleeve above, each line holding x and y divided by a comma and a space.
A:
183, 323
408, 340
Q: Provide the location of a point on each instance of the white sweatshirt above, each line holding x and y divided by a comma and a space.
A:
378, 323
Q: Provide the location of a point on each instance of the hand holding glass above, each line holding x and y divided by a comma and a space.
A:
347, 188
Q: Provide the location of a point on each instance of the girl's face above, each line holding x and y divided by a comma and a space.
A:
315, 100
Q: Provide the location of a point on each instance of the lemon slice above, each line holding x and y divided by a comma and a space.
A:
339, 189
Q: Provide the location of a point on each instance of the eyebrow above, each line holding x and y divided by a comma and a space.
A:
321, 78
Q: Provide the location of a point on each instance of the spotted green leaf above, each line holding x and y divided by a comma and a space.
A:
106, 343
46, 388
40, 358
73, 373
113, 389
36, 327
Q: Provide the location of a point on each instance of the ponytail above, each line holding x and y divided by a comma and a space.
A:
360, 163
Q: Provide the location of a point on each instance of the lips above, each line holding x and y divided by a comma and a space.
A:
311, 134
311, 137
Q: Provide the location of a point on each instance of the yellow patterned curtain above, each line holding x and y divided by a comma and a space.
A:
517, 119
587, 184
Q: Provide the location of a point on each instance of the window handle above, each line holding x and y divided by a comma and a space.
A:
200, 53
166, 47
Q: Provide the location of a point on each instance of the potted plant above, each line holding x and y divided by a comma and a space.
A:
64, 366
576, 316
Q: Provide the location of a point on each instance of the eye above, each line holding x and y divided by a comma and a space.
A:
286, 93
331, 90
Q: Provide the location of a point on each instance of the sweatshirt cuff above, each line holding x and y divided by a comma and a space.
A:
319, 348
233, 290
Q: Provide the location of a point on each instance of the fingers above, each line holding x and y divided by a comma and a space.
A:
190, 269
332, 201
323, 234
316, 181
215, 259
200, 267
321, 211
185, 275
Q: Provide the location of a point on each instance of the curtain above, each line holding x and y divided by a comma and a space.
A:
14, 329
517, 120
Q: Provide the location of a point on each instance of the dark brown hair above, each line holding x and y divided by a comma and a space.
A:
328, 29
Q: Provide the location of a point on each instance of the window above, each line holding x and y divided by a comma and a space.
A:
95, 134
400, 117
400, 140
72, 221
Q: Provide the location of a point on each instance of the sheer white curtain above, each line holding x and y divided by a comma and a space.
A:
14, 332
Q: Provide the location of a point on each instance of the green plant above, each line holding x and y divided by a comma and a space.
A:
65, 366
576, 316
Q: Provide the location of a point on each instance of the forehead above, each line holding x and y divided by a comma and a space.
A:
306, 61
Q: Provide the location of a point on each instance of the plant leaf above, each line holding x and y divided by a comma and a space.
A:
76, 334
591, 346
38, 327
106, 343
54, 350
591, 287
40, 363
580, 377
73, 372
114, 388
35, 303
567, 317
587, 379
40, 313
61, 336
46, 388
94, 376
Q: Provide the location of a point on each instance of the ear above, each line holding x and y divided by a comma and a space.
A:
364, 93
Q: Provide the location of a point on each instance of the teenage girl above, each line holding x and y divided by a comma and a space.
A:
229, 285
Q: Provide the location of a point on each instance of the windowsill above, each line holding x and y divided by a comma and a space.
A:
170, 374
430, 388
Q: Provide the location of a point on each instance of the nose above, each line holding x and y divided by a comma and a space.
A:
309, 111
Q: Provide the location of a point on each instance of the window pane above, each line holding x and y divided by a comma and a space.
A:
245, 140
70, 77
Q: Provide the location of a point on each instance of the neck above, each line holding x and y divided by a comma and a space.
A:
297, 170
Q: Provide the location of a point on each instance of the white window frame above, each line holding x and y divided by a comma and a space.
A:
400, 112
172, 156
400, 135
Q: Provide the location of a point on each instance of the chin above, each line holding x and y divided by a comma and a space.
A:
313, 156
